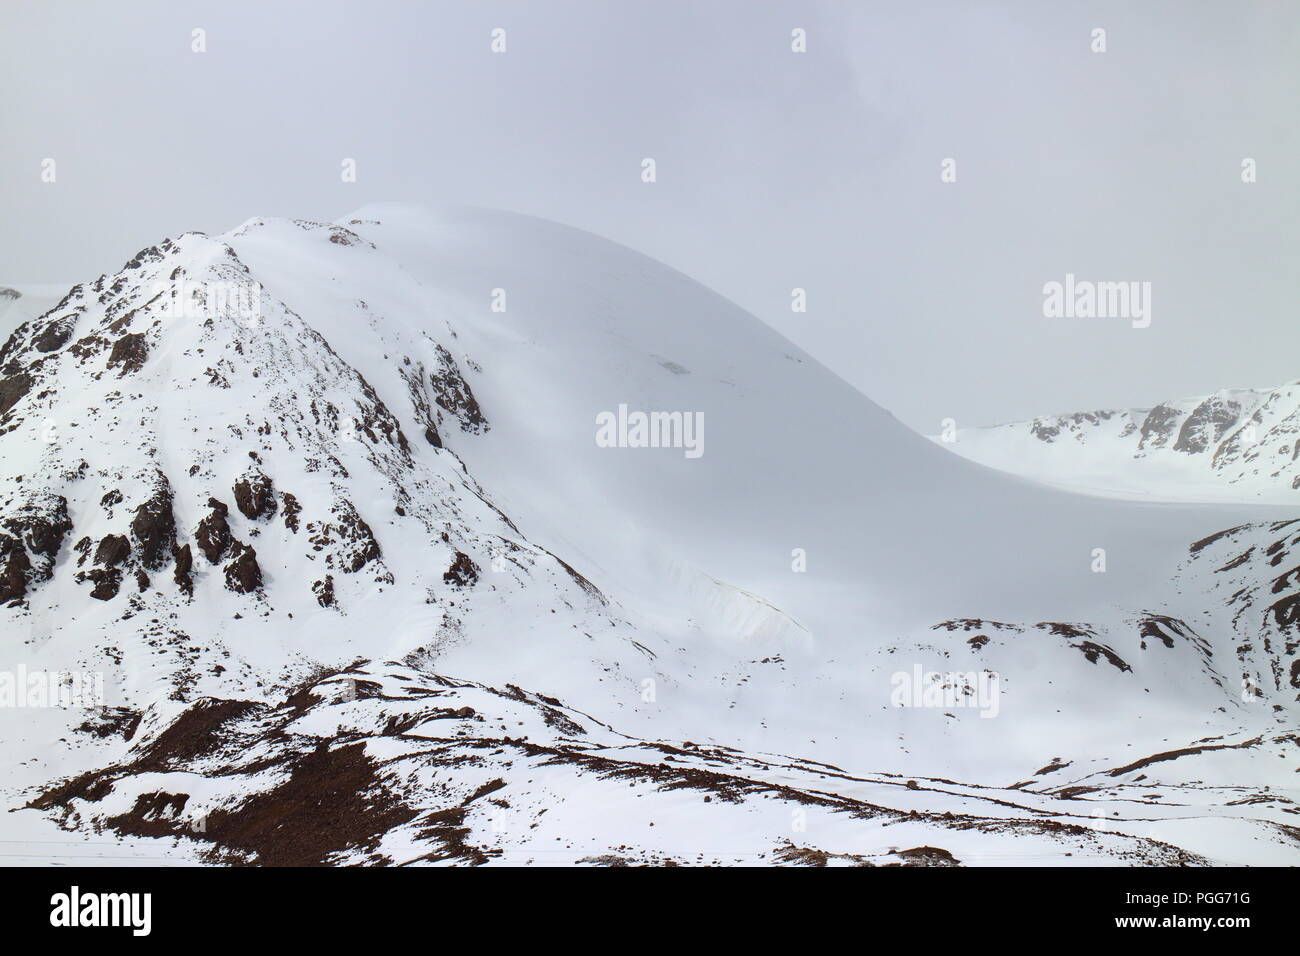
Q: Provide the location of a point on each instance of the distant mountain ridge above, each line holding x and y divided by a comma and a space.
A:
1235, 444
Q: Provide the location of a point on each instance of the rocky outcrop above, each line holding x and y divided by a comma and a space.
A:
453, 394
243, 574
129, 352
14, 566
1206, 425
213, 533
254, 496
291, 511
414, 376
154, 526
347, 541
324, 591
12, 389
1157, 427
184, 568
55, 334
111, 556
107, 582
43, 523
30, 538
463, 571
114, 549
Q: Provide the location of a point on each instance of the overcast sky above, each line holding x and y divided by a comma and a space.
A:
775, 169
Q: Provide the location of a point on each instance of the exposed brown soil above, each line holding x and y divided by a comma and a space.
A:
1175, 754
333, 801
154, 815
192, 734
112, 722
928, 856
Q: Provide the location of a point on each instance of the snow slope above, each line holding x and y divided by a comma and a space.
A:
377, 474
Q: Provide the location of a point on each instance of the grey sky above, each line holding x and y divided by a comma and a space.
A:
775, 169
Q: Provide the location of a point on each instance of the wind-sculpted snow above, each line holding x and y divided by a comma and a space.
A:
243, 466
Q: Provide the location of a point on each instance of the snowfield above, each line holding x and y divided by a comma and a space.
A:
324, 505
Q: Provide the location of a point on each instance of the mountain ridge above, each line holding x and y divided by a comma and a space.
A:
1233, 444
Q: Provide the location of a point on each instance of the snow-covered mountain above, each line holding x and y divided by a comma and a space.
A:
326, 506
1239, 444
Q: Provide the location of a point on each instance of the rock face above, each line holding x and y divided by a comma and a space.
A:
107, 582
1157, 427
42, 523
111, 557
56, 334
1207, 425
